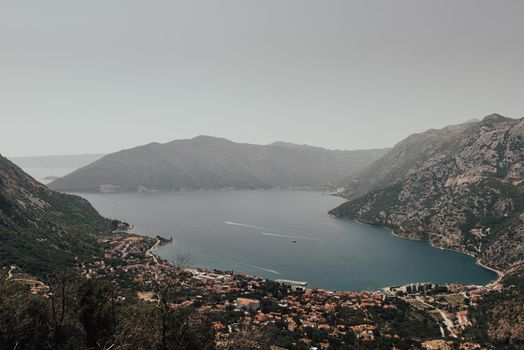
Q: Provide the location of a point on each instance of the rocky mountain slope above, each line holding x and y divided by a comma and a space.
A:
42, 229
460, 187
212, 163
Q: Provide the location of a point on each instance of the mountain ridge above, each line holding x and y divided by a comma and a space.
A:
460, 187
207, 162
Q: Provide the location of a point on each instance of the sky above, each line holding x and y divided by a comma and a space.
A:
99, 76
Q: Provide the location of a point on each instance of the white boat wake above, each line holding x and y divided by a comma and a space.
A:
261, 268
287, 236
268, 233
245, 225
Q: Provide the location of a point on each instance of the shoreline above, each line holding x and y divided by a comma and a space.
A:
500, 274
79, 192
160, 242
151, 251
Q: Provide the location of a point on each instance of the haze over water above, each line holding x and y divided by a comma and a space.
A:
285, 235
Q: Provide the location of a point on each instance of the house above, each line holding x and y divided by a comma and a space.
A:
437, 344
247, 304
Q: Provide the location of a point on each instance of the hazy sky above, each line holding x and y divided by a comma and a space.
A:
101, 75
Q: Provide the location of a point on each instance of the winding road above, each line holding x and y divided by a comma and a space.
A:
10, 272
447, 322
149, 252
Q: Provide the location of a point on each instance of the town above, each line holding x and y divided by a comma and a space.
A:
307, 318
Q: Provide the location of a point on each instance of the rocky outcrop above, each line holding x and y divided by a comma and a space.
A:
460, 187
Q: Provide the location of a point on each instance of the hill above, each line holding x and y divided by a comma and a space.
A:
41, 229
460, 187
206, 162
499, 317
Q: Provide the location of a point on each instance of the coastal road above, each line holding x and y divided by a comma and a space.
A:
149, 252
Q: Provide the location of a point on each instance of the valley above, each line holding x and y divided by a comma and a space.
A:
229, 258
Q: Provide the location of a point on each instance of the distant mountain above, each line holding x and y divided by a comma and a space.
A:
461, 187
48, 168
41, 229
56, 162
206, 162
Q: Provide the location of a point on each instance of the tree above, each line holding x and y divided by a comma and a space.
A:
64, 328
97, 313
247, 337
23, 317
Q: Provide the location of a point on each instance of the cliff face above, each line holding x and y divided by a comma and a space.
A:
460, 187
211, 163
41, 229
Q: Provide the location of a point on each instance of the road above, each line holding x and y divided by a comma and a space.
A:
447, 322
149, 252
10, 273
28, 280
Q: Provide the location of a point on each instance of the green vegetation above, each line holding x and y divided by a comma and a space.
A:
41, 229
406, 321
85, 314
499, 317
382, 200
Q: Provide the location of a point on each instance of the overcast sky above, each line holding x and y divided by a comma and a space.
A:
98, 76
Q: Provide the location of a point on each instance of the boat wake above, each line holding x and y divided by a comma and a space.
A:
261, 268
329, 224
245, 225
287, 236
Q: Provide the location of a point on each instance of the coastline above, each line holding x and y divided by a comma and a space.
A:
162, 241
80, 191
151, 251
500, 274
490, 275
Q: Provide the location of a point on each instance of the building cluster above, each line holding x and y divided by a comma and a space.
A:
249, 302
298, 309
412, 288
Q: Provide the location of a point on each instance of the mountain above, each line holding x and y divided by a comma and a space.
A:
41, 229
460, 187
407, 155
206, 162
47, 168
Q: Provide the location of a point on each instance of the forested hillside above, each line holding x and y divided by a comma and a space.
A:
41, 229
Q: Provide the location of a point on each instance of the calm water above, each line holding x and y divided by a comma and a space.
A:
285, 235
